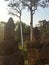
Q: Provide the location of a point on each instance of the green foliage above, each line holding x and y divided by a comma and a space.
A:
24, 50
27, 3
44, 28
25, 29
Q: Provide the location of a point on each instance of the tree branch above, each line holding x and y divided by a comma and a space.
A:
24, 3
16, 10
14, 14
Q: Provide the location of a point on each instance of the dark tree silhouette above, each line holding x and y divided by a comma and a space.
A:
9, 29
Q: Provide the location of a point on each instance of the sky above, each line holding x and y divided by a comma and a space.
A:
40, 14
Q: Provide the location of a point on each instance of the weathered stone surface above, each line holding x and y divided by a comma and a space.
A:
38, 53
10, 53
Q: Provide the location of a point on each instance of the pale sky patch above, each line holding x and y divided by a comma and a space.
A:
40, 14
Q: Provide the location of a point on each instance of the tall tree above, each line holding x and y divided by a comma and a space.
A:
25, 29
32, 5
16, 10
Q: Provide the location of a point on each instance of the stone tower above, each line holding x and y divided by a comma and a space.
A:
9, 29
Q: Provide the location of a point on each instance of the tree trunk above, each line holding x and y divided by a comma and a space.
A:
31, 27
21, 30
